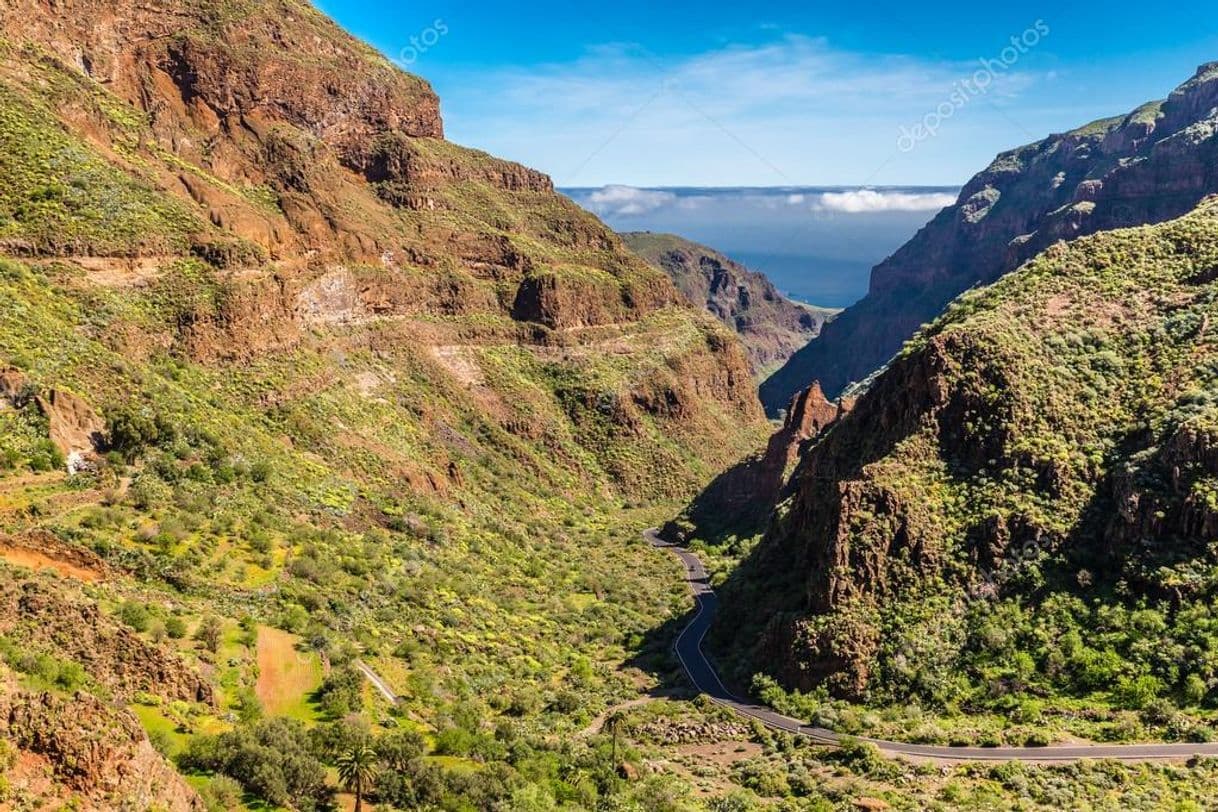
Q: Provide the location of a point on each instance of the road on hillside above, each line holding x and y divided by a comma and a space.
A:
377, 683
706, 679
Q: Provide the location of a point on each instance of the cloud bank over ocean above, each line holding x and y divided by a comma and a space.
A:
627, 201
818, 244
863, 201
630, 201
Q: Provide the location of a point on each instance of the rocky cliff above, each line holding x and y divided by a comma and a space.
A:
97, 757
771, 327
1041, 459
309, 181
1151, 165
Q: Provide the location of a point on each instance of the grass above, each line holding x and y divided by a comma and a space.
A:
287, 676
57, 195
167, 732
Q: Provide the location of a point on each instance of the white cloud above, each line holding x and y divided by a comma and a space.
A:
866, 201
627, 201
795, 200
791, 111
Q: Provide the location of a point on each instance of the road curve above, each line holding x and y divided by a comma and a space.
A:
702, 674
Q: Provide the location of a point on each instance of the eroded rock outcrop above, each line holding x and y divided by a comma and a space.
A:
48, 614
741, 499
96, 752
75, 429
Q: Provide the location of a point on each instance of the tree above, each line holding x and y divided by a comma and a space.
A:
209, 633
614, 725
341, 692
273, 760
357, 771
399, 749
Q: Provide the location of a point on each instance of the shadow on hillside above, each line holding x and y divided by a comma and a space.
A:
657, 658
732, 505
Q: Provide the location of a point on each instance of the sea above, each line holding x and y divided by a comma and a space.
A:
817, 243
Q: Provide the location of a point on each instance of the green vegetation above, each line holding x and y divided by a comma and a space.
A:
515, 613
1040, 535
376, 400
58, 196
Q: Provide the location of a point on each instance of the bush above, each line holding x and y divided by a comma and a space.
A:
175, 627
222, 794
149, 492
455, 741
47, 457
342, 692
133, 431
272, 760
1136, 693
134, 615
1037, 738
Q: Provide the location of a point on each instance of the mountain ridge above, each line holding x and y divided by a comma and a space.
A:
1041, 454
277, 357
1151, 165
771, 326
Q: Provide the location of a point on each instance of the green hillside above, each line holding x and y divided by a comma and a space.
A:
1015, 525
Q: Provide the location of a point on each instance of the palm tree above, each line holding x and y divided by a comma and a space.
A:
614, 725
357, 769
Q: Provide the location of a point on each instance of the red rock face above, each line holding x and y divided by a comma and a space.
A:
1153, 165
312, 176
214, 67
95, 751
12, 386
344, 156
811, 413
74, 427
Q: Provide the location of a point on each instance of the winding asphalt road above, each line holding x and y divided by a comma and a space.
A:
702, 674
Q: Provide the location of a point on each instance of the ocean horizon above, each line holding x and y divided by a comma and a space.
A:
817, 244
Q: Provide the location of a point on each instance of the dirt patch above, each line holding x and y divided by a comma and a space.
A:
286, 676
460, 363
721, 754
596, 724
38, 562
1059, 304
123, 273
41, 551
708, 767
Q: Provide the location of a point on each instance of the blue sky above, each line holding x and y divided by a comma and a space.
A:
777, 94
